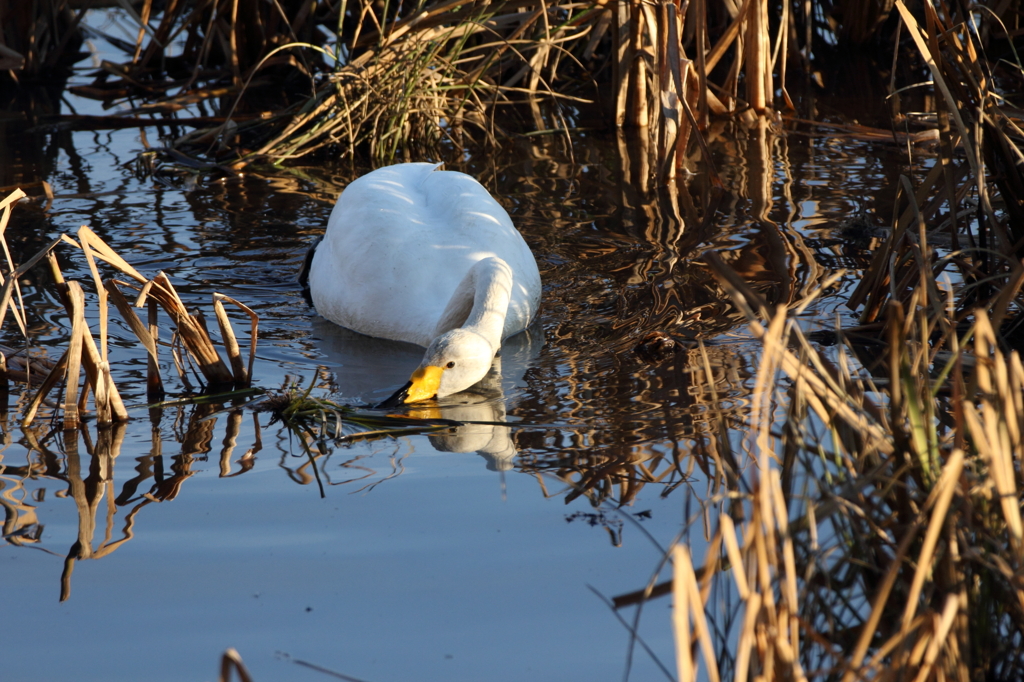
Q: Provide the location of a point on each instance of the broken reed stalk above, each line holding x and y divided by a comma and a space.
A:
190, 329
242, 374
83, 352
154, 384
231, 661
6, 205
687, 603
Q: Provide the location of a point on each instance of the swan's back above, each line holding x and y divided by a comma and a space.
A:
399, 241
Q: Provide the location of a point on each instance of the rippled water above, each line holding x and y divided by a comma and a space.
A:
485, 553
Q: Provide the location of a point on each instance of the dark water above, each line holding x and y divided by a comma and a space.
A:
479, 554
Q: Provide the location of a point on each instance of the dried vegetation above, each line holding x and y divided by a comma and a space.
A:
191, 346
875, 531
193, 351
398, 78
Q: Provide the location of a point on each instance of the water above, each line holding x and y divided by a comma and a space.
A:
480, 554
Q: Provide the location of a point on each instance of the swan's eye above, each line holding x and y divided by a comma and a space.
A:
450, 364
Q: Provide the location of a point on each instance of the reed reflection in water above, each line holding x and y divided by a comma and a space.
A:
84, 459
622, 258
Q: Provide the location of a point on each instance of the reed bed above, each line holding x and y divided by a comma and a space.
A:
880, 537
876, 539
875, 531
389, 80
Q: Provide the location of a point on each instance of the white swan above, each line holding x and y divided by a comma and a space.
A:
415, 254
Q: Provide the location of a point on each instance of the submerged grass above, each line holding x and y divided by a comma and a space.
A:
322, 419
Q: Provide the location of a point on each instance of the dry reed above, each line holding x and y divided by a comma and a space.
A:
882, 535
393, 79
191, 341
925, 535
316, 420
882, 538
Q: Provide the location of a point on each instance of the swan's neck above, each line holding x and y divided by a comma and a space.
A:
480, 302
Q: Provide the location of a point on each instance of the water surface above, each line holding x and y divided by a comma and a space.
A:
484, 553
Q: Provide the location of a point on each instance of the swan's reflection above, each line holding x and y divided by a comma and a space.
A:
368, 370
485, 402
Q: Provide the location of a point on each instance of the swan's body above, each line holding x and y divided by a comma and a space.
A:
429, 257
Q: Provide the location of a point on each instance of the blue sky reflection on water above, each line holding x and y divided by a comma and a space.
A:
382, 584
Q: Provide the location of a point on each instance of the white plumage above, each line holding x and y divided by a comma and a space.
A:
415, 254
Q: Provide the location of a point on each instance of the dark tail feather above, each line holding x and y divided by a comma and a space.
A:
304, 271
307, 262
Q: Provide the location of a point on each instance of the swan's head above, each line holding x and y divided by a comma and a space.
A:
453, 362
